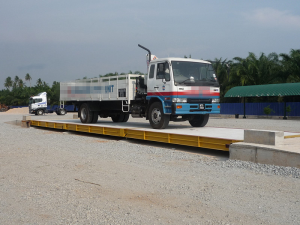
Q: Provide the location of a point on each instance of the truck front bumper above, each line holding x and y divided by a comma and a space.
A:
199, 108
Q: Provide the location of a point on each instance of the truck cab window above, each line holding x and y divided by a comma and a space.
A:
160, 71
151, 73
163, 71
167, 72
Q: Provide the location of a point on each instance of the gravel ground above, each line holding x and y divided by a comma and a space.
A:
59, 177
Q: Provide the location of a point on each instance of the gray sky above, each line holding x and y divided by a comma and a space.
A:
61, 40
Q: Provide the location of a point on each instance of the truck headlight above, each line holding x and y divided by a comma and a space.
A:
179, 100
215, 100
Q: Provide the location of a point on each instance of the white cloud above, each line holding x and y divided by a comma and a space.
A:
274, 18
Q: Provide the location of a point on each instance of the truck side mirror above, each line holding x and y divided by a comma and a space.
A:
167, 77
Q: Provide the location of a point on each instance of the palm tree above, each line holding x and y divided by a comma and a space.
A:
291, 66
28, 78
240, 75
45, 84
8, 82
20, 83
16, 81
222, 70
255, 71
264, 68
39, 82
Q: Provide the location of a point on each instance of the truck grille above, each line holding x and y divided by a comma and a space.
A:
199, 100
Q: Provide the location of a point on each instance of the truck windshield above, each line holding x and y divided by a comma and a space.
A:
203, 73
31, 100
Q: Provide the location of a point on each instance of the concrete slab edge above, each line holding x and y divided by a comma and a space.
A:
264, 155
252, 116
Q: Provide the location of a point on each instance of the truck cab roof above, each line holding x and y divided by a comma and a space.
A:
179, 59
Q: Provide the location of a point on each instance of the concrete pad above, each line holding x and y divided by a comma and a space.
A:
75, 116
265, 154
265, 137
25, 124
242, 152
26, 118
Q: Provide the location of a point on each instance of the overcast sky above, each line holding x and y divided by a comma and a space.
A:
62, 40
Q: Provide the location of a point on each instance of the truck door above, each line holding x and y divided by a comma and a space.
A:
163, 80
159, 84
151, 81
159, 80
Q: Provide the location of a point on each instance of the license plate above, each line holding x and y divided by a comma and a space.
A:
201, 106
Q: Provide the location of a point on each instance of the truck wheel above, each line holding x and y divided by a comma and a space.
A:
118, 118
86, 116
95, 117
126, 117
157, 118
40, 112
62, 112
199, 120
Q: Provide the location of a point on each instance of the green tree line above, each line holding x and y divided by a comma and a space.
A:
252, 70
17, 93
256, 70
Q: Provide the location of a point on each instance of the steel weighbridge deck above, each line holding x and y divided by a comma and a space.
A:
204, 137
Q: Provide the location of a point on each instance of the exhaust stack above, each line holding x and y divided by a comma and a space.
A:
149, 55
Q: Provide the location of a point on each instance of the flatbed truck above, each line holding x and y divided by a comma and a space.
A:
174, 89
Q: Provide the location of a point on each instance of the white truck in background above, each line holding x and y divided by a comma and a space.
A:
175, 89
38, 105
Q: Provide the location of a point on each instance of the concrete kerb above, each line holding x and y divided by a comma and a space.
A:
264, 137
263, 154
26, 121
257, 148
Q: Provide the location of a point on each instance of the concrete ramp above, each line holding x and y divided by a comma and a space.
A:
268, 147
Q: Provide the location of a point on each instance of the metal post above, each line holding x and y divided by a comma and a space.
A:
244, 108
284, 110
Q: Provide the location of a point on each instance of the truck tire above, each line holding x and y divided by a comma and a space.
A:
157, 118
126, 117
122, 117
199, 120
95, 117
40, 112
61, 112
86, 116
118, 118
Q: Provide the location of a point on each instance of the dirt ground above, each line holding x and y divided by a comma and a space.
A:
59, 177
23, 110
